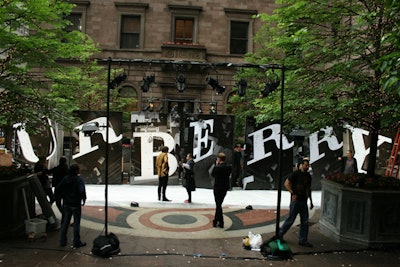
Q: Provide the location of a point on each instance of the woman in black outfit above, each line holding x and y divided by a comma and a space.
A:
189, 181
221, 173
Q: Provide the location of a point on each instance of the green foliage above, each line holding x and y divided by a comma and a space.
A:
389, 64
243, 106
33, 43
342, 66
332, 52
364, 181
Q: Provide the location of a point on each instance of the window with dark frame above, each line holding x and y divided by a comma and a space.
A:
239, 37
75, 19
130, 31
184, 28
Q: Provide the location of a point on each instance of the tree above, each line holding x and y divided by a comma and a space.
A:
34, 44
390, 63
334, 53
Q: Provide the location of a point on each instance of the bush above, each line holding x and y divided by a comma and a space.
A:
363, 181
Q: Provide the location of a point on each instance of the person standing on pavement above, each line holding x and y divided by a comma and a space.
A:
348, 163
59, 172
43, 174
189, 181
162, 171
221, 173
237, 166
73, 194
299, 186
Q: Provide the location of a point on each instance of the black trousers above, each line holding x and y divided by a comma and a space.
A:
162, 186
219, 199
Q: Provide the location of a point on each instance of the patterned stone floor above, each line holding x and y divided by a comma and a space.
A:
190, 223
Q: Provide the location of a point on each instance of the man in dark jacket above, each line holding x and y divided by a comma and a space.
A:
42, 173
73, 194
221, 173
59, 173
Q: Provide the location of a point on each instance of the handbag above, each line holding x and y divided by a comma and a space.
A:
106, 246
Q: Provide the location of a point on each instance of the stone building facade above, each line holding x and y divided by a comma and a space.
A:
140, 36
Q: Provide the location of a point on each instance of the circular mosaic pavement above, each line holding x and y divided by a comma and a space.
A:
182, 223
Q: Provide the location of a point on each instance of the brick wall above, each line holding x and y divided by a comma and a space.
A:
102, 25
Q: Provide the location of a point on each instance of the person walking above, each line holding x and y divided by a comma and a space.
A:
162, 171
73, 194
349, 163
221, 173
59, 172
189, 181
299, 186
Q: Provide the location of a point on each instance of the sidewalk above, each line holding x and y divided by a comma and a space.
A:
180, 234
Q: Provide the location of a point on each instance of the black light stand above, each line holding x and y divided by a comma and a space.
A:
279, 249
278, 210
108, 244
107, 149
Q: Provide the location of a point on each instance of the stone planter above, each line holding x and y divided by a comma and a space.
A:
364, 217
12, 205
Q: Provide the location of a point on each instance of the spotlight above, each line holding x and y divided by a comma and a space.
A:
267, 90
212, 82
215, 85
90, 128
271, 85
149, 107
118, 80
180, 82
213, 108
241, 87
220, 89
147, 81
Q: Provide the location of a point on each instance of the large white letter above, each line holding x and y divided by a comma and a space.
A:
148, 155
259, 152
331, 139
85, 142
25, 143
360, 151
201, 141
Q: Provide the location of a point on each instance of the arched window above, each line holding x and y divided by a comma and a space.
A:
129, 93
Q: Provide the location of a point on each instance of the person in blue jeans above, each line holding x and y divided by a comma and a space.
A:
73, 193
299, 186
